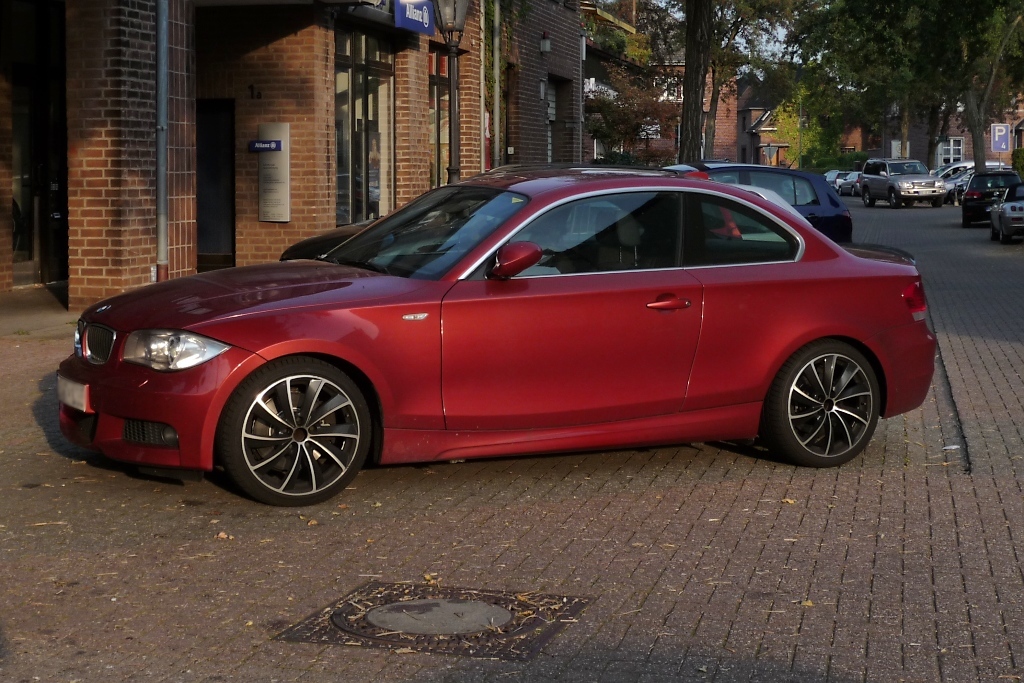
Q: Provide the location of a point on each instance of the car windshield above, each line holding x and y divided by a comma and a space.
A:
908, 168
427, 237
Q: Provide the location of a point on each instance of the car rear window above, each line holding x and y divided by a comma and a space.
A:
794, 189
993, 181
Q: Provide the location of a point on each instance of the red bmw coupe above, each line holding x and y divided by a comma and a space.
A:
520, 311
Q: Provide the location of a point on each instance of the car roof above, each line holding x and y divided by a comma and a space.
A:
1005, 171
716, 165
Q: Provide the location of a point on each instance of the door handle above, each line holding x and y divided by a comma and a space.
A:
669, 303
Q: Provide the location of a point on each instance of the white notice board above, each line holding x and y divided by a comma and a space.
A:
275, 175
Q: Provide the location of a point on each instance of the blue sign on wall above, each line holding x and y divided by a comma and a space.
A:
415, 15
265, 146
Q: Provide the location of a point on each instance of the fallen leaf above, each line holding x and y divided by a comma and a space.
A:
248, 623
789, 501
312, 522
222, 536
376, 505
343, 507
807, 603
404, 651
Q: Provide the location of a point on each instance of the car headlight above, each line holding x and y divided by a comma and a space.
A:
906, 185
170, 349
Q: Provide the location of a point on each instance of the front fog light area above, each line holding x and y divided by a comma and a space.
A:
169, 350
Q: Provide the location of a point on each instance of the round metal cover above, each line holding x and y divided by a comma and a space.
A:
438, 617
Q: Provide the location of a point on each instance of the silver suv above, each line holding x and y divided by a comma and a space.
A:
901, 181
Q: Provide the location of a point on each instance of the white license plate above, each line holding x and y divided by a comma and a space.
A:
73, 394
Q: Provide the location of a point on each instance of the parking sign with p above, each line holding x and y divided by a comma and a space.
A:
1000, 137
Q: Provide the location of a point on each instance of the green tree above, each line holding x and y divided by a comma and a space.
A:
631, 114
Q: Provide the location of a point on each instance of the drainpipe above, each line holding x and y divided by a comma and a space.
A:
161, 140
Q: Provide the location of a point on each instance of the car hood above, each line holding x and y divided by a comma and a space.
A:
252, 290
915, 178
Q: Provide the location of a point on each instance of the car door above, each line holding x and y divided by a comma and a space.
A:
603, 329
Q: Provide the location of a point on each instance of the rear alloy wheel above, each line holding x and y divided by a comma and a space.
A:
865, 196
1003, 237
894, 201
295, 432
822, 408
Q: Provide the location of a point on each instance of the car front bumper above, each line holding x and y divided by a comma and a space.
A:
125, 411
922, 194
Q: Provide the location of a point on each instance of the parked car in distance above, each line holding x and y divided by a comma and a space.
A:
318, 245
1007, 215
850, 184
809, 193
902, 182
948, 170
581, 309
982, 192
955, 185
833, 178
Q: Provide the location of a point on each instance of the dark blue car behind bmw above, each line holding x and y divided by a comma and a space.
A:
809, 193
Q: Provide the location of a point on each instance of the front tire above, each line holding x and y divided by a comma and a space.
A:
894, 200
822, 407
295, 432
937, 203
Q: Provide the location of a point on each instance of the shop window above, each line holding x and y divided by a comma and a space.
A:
439, 89
364, 125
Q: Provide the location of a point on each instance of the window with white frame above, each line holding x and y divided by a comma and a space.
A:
949, 151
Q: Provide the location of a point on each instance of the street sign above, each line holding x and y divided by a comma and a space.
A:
1000, 137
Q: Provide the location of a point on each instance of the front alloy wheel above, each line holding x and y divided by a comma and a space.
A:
823, 406
894, 200
294, 433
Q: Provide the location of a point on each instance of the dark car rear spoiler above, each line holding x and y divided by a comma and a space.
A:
880, 252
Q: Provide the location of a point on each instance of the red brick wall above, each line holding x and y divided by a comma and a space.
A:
111, 102
110, 95
6, 161
412, 121
181, 140
286, 53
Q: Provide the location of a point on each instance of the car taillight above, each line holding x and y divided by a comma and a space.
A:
913, 295
972, 194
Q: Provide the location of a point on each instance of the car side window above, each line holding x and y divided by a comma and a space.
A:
627, 231
795, 190
719, 231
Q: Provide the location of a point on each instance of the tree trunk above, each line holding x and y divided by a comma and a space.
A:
709, 125
697, 55
905, 130
976, 124
933, 134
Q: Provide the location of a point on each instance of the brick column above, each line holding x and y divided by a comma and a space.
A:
111, 100
412, 122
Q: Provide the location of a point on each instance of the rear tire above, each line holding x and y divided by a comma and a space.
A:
865, 196
1004, 238
822, 407
964, 222
993, 233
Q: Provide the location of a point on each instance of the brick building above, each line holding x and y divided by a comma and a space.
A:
359, 97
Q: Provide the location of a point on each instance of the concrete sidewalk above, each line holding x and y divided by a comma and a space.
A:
39, 312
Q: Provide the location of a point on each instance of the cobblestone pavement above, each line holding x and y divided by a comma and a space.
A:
707, 562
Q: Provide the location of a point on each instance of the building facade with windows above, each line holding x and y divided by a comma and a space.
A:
356, 92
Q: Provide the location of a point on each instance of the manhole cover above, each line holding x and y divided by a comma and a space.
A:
431, 618
437, 617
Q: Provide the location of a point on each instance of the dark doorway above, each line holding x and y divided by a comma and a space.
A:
33, 38
215, 184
